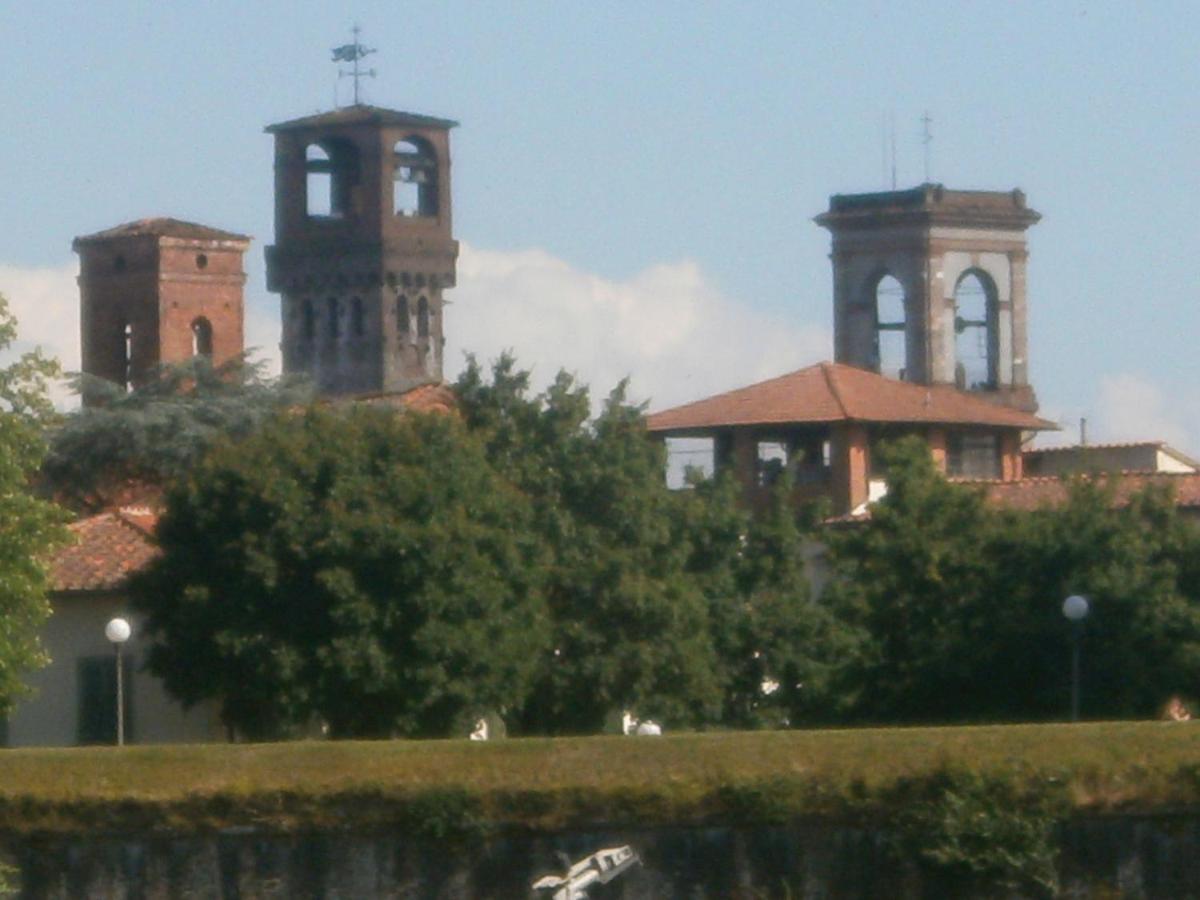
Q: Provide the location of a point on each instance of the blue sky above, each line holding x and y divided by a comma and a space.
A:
634, 184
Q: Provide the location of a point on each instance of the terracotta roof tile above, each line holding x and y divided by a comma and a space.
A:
109, 548
163, 227
832, 392
1032, 493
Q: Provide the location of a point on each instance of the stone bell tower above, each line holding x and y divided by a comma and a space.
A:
929, 287
363, 247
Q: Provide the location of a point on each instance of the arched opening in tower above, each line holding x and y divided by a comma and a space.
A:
202, 337
127, 356
331, 175
414, 178
891, 337
975, 332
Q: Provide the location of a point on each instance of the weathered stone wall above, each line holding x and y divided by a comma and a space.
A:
1132, 857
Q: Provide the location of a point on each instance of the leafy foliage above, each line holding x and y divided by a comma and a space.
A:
157, 432
957, 605
355, 566
630, 627
979, 835
29, 528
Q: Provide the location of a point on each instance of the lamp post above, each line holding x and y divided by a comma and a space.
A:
118, 631
1075, 608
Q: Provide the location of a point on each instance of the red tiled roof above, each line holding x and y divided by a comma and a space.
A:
1032, 493
435, 397
163, 227
832, 392
109, 548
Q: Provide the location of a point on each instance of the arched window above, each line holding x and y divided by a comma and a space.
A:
422, 318
334, 308
126, 356
202, 338
358, 322
310, 320
403, 318
891, 338
975, 338
331, 174
415, 178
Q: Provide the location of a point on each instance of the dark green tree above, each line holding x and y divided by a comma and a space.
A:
773, 640
357, 567
124, 443
956, 605
630, 624
29, 528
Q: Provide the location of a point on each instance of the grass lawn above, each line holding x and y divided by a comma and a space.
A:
549, 783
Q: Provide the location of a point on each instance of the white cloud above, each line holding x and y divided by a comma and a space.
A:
1132, 407
668, 327
46, 304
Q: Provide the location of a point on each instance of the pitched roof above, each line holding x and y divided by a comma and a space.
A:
362, 114
435, 397
832, 392
162, 226
1032, 493
109, 548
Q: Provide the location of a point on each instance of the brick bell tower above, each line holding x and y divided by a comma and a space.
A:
929, 287
158, 291
363, 247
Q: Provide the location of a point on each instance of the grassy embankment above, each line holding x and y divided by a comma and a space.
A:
440, 787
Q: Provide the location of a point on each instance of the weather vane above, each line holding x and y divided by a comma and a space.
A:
352, 53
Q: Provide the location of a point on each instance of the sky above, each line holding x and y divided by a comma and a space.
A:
634, 184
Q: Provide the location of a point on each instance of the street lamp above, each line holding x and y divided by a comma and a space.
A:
1075, 608
118, 631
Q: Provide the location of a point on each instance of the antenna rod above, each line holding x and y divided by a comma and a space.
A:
927, 140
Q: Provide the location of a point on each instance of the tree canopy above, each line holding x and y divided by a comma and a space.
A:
124, 442
353, 566
29, 528
956, 605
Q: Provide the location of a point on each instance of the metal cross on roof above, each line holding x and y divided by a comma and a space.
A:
352, 53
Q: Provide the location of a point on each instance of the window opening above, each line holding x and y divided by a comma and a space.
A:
772, 461
812, 461
201, 261
973, 455
331, 174
891, 338
688, 460
403, 320
202, 338
422, 318
97, 712
127, 356
310, 320
335, 318
119, 263
415, 178
358, 323
975, 333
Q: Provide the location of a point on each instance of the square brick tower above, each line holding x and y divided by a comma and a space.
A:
159, 291
363, 248
929, 287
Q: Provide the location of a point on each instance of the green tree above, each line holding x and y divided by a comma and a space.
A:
29, 528
630, 624
356, 566
125, 442
774, 642
956, 605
